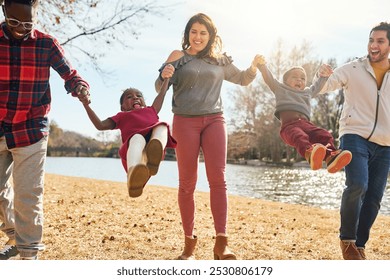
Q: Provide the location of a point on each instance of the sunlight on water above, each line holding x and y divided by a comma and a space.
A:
289, 185
292, 185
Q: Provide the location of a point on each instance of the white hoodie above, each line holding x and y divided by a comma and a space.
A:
366, 110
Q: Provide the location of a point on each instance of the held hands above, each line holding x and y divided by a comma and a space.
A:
325, 70
83, 94
262, 60
167, 72
257, 61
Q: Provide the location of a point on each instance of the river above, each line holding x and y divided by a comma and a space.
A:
296, 185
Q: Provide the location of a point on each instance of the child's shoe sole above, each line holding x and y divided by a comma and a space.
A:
341, 160
137, 178
154, 154
317, 156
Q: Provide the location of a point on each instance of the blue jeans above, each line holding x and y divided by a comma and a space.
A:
366, 178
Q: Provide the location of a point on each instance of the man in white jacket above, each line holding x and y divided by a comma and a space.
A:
364, 129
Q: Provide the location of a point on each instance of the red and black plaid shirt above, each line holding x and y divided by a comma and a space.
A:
24, 85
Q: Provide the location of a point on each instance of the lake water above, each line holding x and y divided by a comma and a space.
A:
296, 185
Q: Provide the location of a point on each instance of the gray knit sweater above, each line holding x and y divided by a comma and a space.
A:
197, 83
288, 98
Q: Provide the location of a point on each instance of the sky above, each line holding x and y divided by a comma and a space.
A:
335, 28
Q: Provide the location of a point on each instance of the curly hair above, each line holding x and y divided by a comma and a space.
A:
128, 90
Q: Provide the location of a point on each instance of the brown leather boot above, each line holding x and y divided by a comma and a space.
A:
349, 250
362, 253
221, 249
189, 248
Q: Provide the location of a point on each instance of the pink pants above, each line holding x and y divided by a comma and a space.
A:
301, 134
191, 134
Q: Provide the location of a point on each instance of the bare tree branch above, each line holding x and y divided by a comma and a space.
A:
106, 26
86, 26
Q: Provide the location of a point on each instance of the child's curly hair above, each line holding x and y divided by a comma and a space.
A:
126, 91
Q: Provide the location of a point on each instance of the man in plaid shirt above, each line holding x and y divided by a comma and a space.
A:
26, 56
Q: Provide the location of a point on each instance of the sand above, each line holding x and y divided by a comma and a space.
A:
87, 219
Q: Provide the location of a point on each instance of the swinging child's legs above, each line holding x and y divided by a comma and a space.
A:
138, 173
155, 148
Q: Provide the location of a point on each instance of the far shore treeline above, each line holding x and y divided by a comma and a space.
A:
64, 143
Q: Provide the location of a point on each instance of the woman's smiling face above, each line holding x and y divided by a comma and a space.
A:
199, 38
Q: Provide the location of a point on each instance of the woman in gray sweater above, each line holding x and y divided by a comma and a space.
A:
196, 74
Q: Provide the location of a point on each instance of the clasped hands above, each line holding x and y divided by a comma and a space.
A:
83, 94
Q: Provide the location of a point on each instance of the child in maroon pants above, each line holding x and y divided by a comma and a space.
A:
293, 110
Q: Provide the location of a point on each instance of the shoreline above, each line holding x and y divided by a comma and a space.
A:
89, 219
249, 181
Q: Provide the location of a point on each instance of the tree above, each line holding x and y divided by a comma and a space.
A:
252, 112
88, 28
69, 143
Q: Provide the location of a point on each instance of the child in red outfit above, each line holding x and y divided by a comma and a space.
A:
144, 137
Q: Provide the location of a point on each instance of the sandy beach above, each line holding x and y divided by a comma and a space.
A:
87, 219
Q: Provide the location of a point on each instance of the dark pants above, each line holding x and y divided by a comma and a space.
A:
366, 179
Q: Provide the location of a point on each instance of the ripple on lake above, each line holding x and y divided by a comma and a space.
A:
298, 185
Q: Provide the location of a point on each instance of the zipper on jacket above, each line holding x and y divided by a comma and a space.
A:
377, 104
376, 115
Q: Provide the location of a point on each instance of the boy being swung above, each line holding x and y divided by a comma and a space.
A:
292, 96
26, 56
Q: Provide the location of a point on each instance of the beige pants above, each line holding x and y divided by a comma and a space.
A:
21, 203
